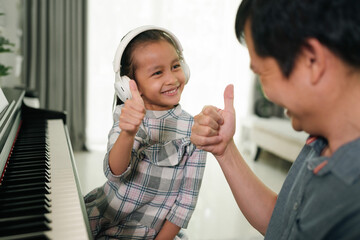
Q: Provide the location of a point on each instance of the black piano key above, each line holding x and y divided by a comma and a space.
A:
38, 141
23, 180
31, 137
6, 188
31, 236
33, 133
31, 143
29, 160
23, 150
19, 175
26, 210
20, 172
14, 192
21, 198
38, 166
27, 128
21, 225
31, 155
24, 203
29, 140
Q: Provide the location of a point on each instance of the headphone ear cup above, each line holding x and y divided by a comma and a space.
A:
186, 70
122, 87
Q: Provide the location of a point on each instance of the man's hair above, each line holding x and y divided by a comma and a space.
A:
280, 28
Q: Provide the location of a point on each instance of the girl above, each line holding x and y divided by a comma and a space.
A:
154, 172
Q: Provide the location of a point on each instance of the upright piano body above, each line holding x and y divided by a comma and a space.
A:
40, 195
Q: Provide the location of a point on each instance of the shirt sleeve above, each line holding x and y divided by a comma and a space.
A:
185, 203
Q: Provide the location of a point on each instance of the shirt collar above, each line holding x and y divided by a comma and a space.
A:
174, 112
344, 163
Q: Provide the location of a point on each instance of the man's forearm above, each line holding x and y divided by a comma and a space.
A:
255, 200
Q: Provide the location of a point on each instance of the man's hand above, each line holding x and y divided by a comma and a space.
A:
214, 128
133, 111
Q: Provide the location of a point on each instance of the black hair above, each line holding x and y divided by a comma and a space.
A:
128, 67
280, 28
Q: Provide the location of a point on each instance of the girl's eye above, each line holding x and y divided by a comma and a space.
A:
176, 66
157, 73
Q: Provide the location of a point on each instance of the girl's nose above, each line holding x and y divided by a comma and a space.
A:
172, 78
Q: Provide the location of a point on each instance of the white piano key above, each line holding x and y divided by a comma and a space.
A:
67, 217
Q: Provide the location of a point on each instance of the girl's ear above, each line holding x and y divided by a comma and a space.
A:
315, 58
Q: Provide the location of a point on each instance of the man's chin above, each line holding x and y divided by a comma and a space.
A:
294, 122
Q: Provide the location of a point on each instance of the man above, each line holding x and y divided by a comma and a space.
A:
307, 56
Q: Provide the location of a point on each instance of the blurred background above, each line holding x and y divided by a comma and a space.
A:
62, 50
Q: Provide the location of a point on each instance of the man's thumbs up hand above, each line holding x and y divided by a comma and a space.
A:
214, 128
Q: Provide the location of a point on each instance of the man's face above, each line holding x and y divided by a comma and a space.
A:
286, 92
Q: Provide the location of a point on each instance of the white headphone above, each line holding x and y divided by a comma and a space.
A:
122, 88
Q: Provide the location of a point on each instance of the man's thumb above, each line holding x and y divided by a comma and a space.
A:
229, 98
134, 91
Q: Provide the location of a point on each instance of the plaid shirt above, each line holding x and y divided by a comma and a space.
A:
162, 181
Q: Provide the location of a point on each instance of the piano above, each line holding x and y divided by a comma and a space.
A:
40, 195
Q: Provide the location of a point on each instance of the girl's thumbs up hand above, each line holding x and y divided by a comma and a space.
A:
135, 92
133, 111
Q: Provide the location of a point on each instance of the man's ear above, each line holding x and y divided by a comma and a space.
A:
315, 58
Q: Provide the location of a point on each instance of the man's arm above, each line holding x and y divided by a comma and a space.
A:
255, 200
213, 131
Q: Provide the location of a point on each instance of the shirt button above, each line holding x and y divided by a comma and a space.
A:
296, 205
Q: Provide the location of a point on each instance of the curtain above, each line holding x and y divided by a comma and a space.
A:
54, 51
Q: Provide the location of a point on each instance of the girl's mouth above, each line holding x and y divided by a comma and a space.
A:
171, 92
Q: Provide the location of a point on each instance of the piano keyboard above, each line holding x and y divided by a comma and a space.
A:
39, 197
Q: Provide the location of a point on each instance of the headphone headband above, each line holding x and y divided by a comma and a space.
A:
131, 35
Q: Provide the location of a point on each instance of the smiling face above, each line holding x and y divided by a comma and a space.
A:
158, 74
292, 93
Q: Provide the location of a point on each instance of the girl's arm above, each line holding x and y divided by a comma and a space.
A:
130, 119
119, 156
168, 231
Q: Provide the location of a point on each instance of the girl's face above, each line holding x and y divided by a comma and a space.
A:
158, 75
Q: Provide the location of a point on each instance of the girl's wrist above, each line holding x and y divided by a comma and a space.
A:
128, 134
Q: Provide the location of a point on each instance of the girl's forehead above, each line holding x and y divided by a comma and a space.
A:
160, 42
154, 49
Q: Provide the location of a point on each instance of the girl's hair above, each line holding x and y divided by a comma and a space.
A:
128, 67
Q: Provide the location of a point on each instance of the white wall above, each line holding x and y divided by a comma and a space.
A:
205, 29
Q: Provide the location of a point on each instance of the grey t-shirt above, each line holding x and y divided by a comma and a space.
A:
320, 198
